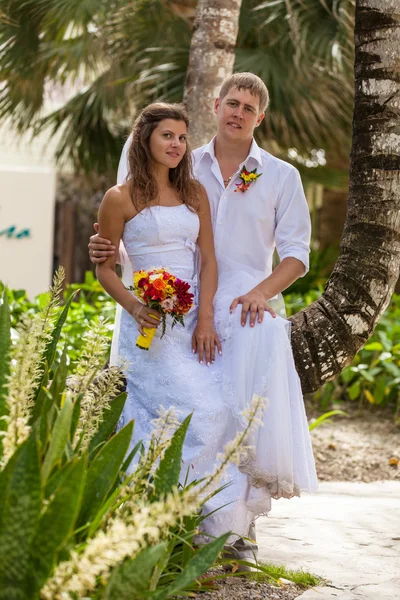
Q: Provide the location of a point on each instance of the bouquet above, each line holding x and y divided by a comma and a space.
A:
164, 292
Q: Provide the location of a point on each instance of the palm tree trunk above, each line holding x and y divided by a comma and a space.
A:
212, 55
328, 333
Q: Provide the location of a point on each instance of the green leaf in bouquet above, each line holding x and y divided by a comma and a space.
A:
202, 560
5, 344
131, 580
20, 504
108, 425
59, 438
167, 475
57, 522
103, 473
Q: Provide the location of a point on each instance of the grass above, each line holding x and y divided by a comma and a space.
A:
266, 573
274, 573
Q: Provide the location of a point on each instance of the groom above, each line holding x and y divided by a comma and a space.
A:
249, 218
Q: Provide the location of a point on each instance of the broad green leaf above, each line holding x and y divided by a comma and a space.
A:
52, 346
103, 473
374, 346
5, 342
109, 503
393, 369
380, 390
75, 415
167, 475
199, 564
366, 375
108, 425
132, 579
354, 390
59, 438
20, 510
57, 523
59, 379
132, 454
347, 375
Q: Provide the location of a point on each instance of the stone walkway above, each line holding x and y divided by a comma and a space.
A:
349, 533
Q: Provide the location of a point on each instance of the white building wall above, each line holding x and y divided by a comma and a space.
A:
27, 202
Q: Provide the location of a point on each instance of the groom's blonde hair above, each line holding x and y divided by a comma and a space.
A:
247, 81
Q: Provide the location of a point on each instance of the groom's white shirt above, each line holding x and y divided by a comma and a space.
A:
273, 211
248, 226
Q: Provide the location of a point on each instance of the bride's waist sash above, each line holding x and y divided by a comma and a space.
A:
187, 244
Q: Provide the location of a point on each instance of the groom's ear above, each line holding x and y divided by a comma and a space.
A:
260, 118
216, 105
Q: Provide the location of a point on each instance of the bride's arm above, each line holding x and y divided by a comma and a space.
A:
112, 217
205, 338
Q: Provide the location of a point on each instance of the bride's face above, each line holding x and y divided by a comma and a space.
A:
168, 143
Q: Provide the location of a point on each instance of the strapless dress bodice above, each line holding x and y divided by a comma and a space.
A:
163, 236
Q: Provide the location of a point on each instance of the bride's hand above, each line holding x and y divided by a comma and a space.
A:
144, 316
204, 341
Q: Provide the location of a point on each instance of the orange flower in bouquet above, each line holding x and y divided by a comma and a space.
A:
164, 292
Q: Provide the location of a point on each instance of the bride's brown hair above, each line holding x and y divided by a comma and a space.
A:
143, 186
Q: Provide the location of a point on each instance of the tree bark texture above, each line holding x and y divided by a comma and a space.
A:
212, 56
327, 334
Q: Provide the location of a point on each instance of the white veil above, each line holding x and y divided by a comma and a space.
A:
123, 258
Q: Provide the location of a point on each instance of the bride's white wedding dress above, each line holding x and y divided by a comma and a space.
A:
254, 361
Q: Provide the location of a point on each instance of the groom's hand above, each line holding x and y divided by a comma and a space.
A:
99, 248
253, 302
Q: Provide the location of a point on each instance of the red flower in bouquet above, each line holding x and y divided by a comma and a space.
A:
164, 292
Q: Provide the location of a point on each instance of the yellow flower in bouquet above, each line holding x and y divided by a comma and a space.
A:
164, 292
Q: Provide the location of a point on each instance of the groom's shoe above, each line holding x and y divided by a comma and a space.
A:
242, 549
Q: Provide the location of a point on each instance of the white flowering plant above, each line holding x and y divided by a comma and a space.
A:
73, 523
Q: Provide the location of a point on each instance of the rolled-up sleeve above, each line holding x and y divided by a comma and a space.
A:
292, 220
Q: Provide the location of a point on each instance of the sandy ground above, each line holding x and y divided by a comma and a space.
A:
355, 448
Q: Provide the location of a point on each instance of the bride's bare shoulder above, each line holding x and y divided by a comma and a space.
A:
118, 198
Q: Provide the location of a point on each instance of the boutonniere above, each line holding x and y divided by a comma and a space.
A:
247, 178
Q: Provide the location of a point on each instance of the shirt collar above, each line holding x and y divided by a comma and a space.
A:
255, 152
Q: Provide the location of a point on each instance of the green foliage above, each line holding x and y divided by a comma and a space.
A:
85, 304
5, 341
373, 378
128, 54
62, 502
21, 501
167, 475
132, 579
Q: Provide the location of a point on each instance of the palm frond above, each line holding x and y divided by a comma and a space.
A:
119, 56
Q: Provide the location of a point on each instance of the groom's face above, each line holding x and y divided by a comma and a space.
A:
238, 114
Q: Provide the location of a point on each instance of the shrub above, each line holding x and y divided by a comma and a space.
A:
373, 378
73, 522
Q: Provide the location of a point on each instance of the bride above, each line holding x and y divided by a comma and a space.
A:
162, 215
